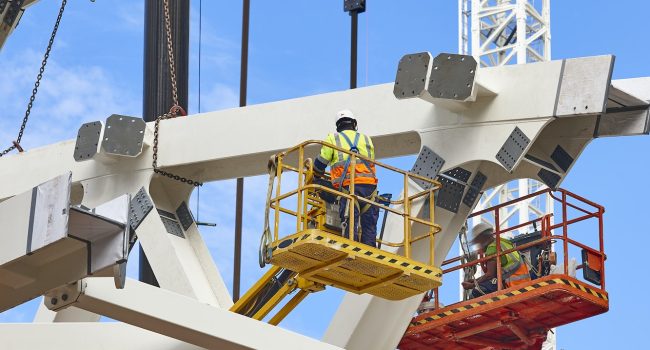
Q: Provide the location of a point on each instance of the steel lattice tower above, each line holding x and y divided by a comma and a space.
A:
502, 32
496, 27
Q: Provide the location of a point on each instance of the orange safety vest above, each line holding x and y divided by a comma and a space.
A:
520, 276
515, 262
341, 167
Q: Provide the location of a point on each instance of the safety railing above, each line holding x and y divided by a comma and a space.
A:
309, 207
583, 210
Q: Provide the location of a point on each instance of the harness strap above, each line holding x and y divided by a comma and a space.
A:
355, 149
353, 145
366, 206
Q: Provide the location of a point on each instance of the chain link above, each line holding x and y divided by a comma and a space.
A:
176, 108
9, 149
171, 114
170, 53
37, 83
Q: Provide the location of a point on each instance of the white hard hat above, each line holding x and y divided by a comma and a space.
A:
481, 229
345, 113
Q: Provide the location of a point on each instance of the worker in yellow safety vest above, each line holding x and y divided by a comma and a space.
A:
365, 180
513, 267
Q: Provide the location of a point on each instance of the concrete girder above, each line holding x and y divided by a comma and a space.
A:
542, 100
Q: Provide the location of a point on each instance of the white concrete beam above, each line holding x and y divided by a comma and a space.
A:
85, 335
364, 322
238, 142
186, 319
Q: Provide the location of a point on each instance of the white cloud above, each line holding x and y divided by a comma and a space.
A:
219, 96
67, 97
131, 15
217, 51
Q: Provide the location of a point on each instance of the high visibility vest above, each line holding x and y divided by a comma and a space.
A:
520, 276
514, 270
339, 161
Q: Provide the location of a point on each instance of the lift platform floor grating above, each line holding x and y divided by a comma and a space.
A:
353, 266
515, 318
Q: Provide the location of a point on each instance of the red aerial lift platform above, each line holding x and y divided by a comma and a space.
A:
519, 317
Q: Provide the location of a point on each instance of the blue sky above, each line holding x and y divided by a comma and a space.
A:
300, 48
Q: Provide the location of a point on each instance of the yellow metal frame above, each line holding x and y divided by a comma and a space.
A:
304, 287
310, 209
321, 254
398, 273
330, 259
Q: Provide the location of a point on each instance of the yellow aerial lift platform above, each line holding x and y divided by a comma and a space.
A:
308, 251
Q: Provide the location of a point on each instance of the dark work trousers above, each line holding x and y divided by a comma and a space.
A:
368, 219
486, 287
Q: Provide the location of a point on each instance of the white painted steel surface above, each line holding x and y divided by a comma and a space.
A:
186, 319
49, 243
87, 336
363, 322
525, 96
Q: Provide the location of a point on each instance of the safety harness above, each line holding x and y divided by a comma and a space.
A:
507, 272
355, 149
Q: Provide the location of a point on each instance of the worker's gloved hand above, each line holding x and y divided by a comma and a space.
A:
468, 284
319, 173
319, 168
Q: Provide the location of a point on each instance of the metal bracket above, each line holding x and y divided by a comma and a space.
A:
427, 165
123, 136
475, 189
184, 216
540, 163
88, 138
451, 193
452, 77
447, 80
140, 206
562, 158
550, 179
171, 223
512, 149
412, 73
62, 297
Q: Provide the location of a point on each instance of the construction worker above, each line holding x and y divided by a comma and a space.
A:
513, 267
365, 179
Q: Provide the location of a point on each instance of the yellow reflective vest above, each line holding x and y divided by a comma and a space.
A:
364, 171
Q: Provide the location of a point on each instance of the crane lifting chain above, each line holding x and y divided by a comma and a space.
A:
16, 143
176, 109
